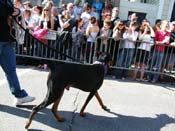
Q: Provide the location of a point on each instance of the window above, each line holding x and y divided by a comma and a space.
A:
140, 16
145, 1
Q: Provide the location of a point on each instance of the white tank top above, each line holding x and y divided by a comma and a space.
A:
92, 37
146, 43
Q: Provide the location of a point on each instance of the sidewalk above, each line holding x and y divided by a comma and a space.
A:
133, 106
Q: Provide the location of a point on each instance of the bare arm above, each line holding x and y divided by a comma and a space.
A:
63, 24
52, 24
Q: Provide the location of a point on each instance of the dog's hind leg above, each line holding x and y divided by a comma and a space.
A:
100, 101
55, 107
50, 98
34, 111
92, 93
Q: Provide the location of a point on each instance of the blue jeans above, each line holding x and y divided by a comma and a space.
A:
124, 60
8, 64
157, 61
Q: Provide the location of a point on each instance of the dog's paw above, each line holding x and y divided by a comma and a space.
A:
61, 119
105, 108
27, 124
82, 114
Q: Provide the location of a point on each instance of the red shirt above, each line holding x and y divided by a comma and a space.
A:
160, 36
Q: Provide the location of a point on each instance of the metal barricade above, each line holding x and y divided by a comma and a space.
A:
59, 47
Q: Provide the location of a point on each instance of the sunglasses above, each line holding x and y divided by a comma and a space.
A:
121, 24
46, 10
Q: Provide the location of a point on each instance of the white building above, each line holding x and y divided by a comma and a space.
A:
149, 9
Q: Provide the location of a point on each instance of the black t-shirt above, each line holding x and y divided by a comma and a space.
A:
71, 25
5, 11
57, 23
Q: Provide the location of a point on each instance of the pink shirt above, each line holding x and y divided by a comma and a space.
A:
160, 36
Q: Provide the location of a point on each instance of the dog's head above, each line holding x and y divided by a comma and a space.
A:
105, 58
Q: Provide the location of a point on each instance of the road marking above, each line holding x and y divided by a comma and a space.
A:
4, 81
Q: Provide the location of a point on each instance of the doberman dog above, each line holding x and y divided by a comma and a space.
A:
88, 78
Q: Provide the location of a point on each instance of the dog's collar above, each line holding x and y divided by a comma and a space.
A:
104, 66
97, 62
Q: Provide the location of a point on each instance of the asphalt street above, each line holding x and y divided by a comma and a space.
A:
134, 106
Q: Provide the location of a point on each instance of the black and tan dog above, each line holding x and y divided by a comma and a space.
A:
88, 78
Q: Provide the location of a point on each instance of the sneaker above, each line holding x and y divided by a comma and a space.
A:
26, 99
154, 81
123, 78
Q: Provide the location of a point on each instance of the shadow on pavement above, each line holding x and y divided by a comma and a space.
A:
117, 122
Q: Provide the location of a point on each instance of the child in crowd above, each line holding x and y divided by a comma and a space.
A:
126, 54
105, 33
161, 39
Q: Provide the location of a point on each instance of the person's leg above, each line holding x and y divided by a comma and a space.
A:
88, 49
158, 65
120, 58
143, 66
136, 63
8, 64
135, 71
128, 60
151, 64
119, 62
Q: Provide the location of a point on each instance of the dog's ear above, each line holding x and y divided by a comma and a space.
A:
108, 58
105, 57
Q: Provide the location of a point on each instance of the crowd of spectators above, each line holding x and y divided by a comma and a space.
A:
88, 21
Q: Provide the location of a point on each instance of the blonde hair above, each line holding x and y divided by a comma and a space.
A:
66, 14
43, 16
164, 24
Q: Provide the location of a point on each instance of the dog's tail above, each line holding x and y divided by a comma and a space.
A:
51, 65
34, 111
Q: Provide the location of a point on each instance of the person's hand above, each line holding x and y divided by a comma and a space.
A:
173, 44
16, 12
146, 29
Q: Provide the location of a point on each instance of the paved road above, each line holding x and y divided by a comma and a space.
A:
133, 106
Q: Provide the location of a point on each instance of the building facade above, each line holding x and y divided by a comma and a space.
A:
149, 9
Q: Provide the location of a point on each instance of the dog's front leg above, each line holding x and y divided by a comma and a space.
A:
55, 107
86, 102
100, 101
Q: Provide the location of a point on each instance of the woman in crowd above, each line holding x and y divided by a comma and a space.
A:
146, 35
37, 12
66, 22
117, 36
91, 33
77, 38
46, 21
